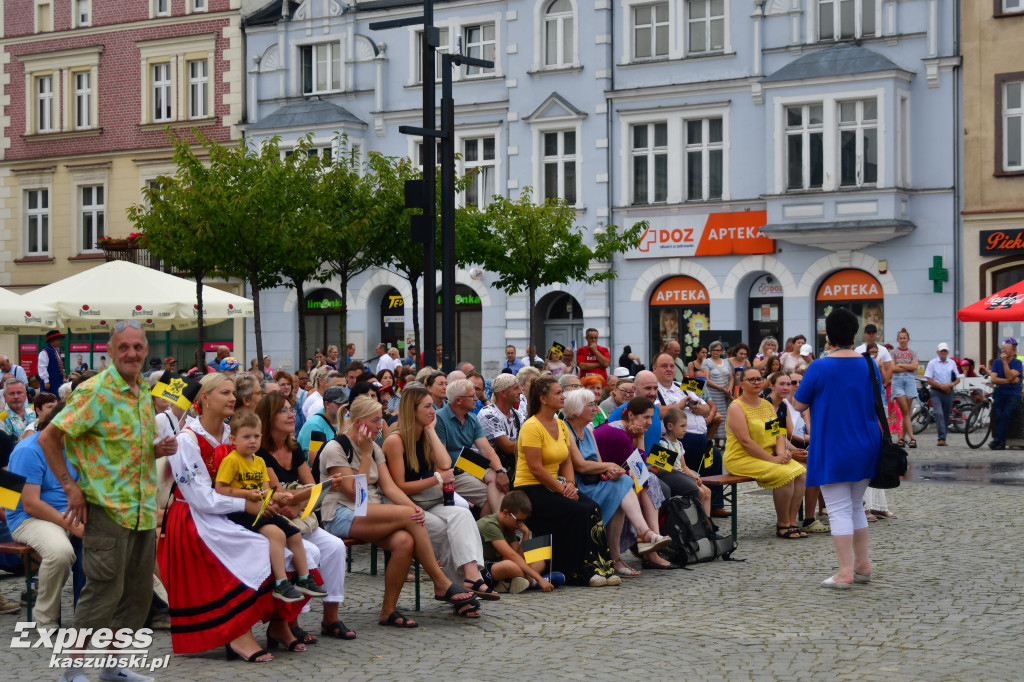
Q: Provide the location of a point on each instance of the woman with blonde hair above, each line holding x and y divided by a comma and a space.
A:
390, 526
420, 466
769, 348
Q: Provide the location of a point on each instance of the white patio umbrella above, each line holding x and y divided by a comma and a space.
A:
93, 300
20, 317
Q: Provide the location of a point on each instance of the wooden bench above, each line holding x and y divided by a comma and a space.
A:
728, 483
28, 557
351, 542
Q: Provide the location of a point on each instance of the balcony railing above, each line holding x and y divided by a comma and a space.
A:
138, 255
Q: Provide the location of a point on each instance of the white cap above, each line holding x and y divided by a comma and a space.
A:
622, 373
943, 346
806, 349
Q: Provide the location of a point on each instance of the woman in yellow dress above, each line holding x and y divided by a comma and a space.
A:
756, 446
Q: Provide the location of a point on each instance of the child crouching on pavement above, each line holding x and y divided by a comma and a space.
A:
241, 474
505, 569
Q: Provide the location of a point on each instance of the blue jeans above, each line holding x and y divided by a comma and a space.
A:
1003, 407
942, 405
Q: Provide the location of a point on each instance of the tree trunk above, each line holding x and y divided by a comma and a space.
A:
200, 353
256, 323
343, 322
300, 292
529, 322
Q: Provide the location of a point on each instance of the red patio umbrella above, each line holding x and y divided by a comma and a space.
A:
1004, 306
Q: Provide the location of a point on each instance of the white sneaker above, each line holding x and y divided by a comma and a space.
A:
597, 581
123, 675
517, 585
613, 580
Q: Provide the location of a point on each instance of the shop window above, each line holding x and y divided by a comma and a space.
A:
856, 291
679, 311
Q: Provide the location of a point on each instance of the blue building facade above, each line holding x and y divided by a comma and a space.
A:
788, 155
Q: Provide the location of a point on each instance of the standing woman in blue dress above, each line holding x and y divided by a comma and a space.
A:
843, 454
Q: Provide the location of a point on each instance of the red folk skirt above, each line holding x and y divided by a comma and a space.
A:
209, 606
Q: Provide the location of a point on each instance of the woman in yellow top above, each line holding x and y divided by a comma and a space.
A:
756, 446
544, 472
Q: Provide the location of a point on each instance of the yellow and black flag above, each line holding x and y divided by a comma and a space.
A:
662, 457
473, 463
694, 384
176, 389
316, 441
10, 489
537, 549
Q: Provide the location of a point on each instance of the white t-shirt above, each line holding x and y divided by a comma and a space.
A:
883, 352
694, 422
386, 362
313, 403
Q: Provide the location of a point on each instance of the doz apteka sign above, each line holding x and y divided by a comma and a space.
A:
714, 234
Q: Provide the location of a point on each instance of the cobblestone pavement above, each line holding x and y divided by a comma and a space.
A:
946, 605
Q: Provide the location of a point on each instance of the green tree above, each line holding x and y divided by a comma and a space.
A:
174, 217
353, 241
531, 245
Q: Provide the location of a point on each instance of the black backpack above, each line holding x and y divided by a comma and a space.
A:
693, 535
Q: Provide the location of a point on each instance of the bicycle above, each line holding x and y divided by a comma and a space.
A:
922, 414
979, 424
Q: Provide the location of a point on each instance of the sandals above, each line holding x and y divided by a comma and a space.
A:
392, 621
467, 610
232, 655
453, 589
650, 565
481, 589
302, 635
626, 572
901, 443
337, 629
789, 532
912, 443
883, 514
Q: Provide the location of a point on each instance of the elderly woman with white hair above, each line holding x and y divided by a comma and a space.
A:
606, 483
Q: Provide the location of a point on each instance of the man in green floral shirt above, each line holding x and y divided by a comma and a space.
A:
109, 431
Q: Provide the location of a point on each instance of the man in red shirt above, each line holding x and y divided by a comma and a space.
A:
592, 358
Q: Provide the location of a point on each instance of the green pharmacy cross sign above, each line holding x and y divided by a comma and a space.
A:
938, 274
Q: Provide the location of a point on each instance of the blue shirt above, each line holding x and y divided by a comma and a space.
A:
653, 434
1008, 389
846, 434
318, 422
515, 365
456, 435
29, 461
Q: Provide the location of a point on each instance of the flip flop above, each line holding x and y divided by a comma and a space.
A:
396, 616
453, 589
481, 589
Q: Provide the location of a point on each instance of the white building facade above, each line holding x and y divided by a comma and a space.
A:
790, 156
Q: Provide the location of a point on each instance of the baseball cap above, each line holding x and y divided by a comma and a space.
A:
623, 373
965, 362
336, 395
170, 358
943, 346
806, 349
870, 329
154, 362
228, 363
1010, 340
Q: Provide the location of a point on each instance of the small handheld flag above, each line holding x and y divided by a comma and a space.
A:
537, 549
362, 495
316, 497
662, 457
10, 489
176, 389
638, 468
695, 384
473, 463
316, 441
266, 502
558, 349
774, 427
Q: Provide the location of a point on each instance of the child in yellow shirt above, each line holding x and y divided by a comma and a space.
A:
242, 474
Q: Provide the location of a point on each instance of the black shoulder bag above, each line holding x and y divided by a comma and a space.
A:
892, 459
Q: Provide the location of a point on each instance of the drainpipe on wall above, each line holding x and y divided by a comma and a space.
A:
957, 185
609, 193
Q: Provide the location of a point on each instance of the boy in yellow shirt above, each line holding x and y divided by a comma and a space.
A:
242, 474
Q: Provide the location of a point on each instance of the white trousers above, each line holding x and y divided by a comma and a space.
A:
455, 539
845, 506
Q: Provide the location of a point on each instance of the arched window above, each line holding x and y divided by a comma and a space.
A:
558, 34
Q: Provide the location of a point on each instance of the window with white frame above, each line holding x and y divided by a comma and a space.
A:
1013, 126
559, 165
479, 161
650, 31
1010, 6
420, 150
83, 12
443, 46
650, 162
847, 19
325, 152
161, 89
91, 212
161, 8
705, 26
37, 222
480, 43
321, 68
198, 89
858, 143
198, 5
559, 47
83, 99
44, 104
805, 162
705, 158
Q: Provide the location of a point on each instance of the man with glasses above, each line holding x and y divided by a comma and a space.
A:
109, 432
569, 382
623, 392
458, 428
